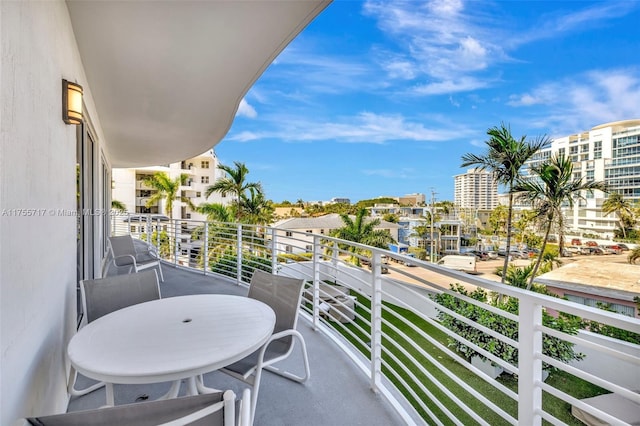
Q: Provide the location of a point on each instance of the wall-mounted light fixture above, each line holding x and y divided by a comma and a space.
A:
71, 102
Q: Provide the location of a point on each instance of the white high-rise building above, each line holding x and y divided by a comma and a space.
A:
476, 190
130, 189
610, 153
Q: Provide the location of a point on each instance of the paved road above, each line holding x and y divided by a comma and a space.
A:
486, 269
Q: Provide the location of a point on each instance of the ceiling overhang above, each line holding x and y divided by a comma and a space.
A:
167, 76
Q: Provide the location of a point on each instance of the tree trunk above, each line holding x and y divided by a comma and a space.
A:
541, 254
508, 247
624, 233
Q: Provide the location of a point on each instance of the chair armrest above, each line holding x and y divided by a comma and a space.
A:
151, 249
133, 260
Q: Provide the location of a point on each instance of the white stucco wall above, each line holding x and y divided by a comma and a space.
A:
37, 171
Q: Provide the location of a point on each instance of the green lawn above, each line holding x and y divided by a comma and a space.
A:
395, 343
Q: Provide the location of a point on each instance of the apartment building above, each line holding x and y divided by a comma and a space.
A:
296, 235
130, 189
476, 190
609, 152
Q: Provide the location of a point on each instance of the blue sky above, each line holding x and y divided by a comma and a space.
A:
382, 98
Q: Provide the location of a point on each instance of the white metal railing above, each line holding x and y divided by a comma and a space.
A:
393, 330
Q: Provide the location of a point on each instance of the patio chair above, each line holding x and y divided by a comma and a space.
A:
214, 409
283, 295
123, 253
105, 295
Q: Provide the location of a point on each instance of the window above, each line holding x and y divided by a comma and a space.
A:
204, 179
309, 249
616, 307
597, 150
188, 216
322, 231
288, 249
289, 233
205, 164
309, 231
198, 194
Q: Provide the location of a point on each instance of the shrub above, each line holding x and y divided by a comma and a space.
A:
551, 346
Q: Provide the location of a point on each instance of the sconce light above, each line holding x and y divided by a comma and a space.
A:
71, 102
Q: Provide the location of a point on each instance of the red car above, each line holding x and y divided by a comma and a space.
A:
576, 242
591, 244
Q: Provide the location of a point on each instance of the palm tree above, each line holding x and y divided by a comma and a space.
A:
616, 203
634, 255
234, 184
363, 231
167, 189
256, 209
216, 212
505, 157
552, 186
118, 205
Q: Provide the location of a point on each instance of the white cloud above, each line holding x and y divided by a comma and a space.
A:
246, 110
585, 100
455, 45
450, 86
365, 127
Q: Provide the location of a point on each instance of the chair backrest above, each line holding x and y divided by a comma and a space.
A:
192, 410
122, 245
105, 295
282, 294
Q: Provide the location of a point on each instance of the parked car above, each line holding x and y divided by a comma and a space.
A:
595, 250
480, 255
573, 250
624, 247
591, 244
492, 254
576, 242
613, 249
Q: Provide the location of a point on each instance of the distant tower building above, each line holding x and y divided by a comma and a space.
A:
476, 189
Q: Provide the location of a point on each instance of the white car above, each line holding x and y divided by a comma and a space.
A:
492, 254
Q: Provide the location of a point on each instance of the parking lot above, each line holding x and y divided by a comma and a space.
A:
486, 268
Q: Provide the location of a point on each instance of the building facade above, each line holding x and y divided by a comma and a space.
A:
130, 189
475, 189
609, 153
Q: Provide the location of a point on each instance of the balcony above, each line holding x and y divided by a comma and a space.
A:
395, 341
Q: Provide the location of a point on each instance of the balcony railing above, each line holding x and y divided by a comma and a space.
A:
393, 328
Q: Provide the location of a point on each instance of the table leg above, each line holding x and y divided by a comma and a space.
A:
173, 390
109, 393
192, 388
202, 388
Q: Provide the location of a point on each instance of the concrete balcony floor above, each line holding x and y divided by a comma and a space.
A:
337, 394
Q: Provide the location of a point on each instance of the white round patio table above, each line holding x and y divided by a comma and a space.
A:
170, 339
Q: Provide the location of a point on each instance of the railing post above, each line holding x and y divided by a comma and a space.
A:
149, 229
316, 281
205, 249
376, 322
239, 254
274, 250
158, 231
175, 242
529, 363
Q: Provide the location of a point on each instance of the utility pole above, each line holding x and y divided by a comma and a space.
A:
433, 200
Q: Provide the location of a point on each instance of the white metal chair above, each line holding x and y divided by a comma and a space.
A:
214, 409
123, 253
283, 295
105, 295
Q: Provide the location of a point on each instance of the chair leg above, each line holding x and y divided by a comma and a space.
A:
160, 270
254, 393
305, 360
71, 389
